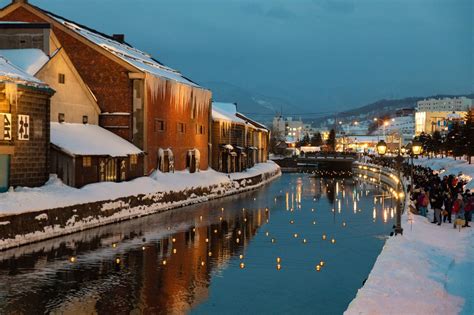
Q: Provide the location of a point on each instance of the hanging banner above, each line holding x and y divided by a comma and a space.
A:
5, 126
23, 127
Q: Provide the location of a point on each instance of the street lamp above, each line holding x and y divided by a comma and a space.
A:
398, 227
416, 149
381, 148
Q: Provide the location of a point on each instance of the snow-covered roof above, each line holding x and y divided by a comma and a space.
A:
127, 53
31, 60
85, 139
12, 73
255, 123
226, 112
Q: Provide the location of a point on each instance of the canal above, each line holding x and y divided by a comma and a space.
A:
256, 253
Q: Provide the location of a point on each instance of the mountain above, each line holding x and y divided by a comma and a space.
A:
255, 105
384, 107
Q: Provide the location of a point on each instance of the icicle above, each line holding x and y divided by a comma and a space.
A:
11, 93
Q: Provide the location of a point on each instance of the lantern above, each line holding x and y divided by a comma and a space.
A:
273, 240
114, 245
318, 268
416, 148
174, 250
278, 267
200, 217
143, 247
344, 224
278, 260
72, 259
239, 232
295, 235
117, 261
304, 240
321, 263
266, 233
173, 240
292, 221
202, 263
241, 256
164, 262
242, 265
207, 240
324, 237
314, 222
215, 231
333, 240
381, 148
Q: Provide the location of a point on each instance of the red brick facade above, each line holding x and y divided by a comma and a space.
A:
109, 81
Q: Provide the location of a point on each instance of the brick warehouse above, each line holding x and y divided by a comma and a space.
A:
141, 100
24, 128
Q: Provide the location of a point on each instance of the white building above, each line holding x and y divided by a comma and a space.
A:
457, 104
437, 114
287, 128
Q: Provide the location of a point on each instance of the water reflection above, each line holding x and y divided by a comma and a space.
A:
210, 258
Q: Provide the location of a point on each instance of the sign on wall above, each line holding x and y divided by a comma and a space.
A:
23, 127
5, 126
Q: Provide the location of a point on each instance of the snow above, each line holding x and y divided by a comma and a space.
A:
12, 73
31, 60
131, 55
226, 112
85, 139
427, 270
55, 194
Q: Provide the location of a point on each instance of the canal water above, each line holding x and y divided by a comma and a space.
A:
255, 253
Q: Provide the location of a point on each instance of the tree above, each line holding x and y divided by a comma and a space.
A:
467, 136
331, 142
304, 142
317, 140
454, 140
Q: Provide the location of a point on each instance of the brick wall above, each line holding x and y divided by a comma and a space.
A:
29, 165
107, 79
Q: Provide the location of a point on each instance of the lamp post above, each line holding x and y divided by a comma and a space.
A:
381, 150
416, 149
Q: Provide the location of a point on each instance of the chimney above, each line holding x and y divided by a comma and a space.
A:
119, 37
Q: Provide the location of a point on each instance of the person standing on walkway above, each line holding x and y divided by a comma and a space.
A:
458, 208
448, 205
468, 207
422, 202
436, 200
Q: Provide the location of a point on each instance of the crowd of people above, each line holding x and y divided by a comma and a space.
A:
445, 196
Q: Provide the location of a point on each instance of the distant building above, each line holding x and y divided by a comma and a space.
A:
438, 114
289, 128
238, 142
24, 128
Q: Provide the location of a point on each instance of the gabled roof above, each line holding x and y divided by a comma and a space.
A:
256, 124
135, 58
226, 112
11, 73
31, 60
85, 139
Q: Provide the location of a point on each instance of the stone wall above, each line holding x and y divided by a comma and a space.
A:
21, 229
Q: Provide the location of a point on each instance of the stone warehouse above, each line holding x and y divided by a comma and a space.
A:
24, 128
141, 100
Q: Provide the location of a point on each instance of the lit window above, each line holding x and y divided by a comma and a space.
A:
86, 161
133, 159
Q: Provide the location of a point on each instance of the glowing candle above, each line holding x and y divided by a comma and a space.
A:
292, 221
278, 267
173, 240
143, 247
242, 265
237, 240
117, 261
72, 259
295, 235
207, 240
241, 256
304, 240
202, 263
114, 245
333, 240
318, 268
321, 263
164, 262
324, 236
314, 222
278, 260
266, 233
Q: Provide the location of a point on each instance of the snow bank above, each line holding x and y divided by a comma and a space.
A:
427, 270
55, 194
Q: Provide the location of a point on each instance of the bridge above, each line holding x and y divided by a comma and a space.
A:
318, 161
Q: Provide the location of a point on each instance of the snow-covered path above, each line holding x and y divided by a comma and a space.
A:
428, 270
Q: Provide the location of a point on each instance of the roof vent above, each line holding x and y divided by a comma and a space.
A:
119, 37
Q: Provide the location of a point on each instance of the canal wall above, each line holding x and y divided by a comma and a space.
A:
30, 227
